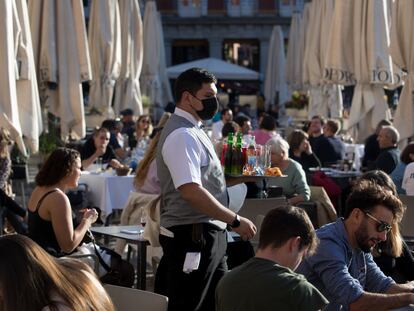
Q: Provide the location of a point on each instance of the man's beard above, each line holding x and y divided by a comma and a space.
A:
363, 239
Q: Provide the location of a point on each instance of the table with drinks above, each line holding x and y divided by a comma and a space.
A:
250, 159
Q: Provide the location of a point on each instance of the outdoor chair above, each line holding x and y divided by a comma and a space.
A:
407, 223
129, 299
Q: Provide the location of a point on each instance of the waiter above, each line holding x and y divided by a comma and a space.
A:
194, 199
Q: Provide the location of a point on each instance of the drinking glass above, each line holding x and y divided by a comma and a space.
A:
263, 157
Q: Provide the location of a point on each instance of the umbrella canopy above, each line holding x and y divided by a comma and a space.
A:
153, 76
275, 88
127, 89
105, 48
372, 62
402, 51
358, 54
26, 86
62, 57
9, 114
325, 98
221, 69
294, 56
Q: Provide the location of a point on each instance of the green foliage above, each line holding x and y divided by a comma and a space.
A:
298, 101
146, 102
49, 141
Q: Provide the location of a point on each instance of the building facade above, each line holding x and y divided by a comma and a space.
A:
233, 30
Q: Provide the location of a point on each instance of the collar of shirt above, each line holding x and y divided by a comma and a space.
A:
186, 115
342, 235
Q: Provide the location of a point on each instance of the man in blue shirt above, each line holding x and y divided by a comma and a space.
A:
342, 267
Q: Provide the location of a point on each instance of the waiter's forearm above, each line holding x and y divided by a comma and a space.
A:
200, 199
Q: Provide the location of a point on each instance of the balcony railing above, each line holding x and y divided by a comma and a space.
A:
237, 8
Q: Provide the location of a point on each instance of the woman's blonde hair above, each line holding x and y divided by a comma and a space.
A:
148, 131
150, 154
29, 276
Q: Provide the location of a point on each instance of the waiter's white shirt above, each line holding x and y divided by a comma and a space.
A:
183, 153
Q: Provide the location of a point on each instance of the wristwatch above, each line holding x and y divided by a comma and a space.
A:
236, 222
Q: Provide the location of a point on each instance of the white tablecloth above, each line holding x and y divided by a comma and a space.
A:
106, 191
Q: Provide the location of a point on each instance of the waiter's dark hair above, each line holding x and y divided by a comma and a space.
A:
191, 81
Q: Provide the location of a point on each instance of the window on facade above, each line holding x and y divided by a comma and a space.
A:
188, 50
192, 8
288, 7
242, 52
237, 8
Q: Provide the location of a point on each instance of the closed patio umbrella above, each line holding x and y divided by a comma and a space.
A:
26, 86
153, 76
105, 50
402, 51
127, 89
325, 98
294, 55
9, 114
275, 87
373, 65
62, 58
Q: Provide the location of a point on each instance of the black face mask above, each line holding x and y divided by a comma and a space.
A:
210, 108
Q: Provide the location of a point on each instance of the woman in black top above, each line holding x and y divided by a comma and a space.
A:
50, 213
301, 151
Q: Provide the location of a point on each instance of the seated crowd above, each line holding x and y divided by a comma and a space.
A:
358, 262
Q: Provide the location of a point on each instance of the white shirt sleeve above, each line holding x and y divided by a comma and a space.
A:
408, 180
184, 156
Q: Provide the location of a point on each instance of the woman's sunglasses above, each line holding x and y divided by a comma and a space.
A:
381, 225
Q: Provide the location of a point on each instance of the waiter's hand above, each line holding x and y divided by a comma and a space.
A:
247, 229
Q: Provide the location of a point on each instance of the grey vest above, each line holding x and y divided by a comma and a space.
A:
174, 209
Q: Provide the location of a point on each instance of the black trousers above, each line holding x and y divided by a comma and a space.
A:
195, 290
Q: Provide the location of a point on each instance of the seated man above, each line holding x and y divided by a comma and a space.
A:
389, 156
342, 268
331, 149
97, 146
372, 149
315, 132
267, 282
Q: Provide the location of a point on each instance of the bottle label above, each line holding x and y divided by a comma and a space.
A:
251, 161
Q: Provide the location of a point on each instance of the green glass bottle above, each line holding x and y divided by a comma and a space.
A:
228, 155
237, 160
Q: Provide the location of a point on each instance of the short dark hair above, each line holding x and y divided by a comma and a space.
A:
192, 81
296, 138
240, 120
109, 124
333, 125
405, 154
285, 222
229, 127
57, 166
367, 194
127, 112
320, 118
268, 123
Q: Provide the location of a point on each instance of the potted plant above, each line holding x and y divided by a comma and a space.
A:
297, 106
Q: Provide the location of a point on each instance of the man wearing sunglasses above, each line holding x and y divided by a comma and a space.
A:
343, 268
